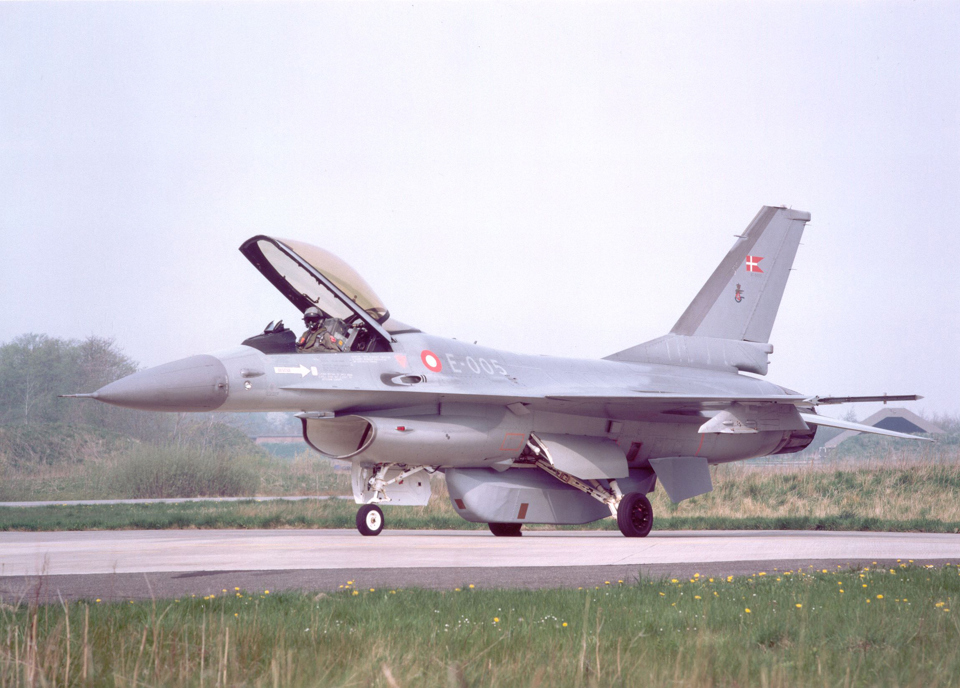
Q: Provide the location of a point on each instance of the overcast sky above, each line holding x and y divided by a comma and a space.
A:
541, 177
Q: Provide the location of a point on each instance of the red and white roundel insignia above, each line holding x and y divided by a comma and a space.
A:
431, 360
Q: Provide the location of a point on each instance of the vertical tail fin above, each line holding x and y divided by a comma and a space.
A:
742, 296
727, 326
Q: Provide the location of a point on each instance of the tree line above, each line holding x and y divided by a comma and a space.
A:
35, 369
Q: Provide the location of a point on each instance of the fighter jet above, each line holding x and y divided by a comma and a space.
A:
519, 438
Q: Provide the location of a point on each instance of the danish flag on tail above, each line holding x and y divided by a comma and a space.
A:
753, 263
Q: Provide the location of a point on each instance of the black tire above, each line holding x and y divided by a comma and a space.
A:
369, 519
506, 529
635, 515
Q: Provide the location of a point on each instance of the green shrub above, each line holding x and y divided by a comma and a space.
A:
51, 444
216, 436
155, 472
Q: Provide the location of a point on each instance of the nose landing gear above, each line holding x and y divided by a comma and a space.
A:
370, 519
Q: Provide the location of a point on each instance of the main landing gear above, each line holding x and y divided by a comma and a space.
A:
635, 515
370, 519
506, 529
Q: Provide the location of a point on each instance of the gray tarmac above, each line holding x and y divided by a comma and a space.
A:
109, 565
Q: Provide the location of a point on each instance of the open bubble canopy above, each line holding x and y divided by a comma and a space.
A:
311, 276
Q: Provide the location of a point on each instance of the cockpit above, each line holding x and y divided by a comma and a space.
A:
352, 315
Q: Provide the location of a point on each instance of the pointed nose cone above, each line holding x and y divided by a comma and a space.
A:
198, 383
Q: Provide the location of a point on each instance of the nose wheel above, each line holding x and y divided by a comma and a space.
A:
369, 519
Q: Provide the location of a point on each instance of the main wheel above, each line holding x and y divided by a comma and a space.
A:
369, 519
506, 529
635, 515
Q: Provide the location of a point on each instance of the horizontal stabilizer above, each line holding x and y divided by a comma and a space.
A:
823, 401
813, 419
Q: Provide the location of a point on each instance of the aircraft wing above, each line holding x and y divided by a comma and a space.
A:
813, 419
659, 398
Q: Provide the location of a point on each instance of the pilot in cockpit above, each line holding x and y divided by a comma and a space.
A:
318, 339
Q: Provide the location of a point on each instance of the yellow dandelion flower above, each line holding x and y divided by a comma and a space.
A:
673, 580
236, 588
697, 597
372, 590
266, 592
747, 610
98, 599
496, 619
864, 585
236, 614
799, 606
564, 624
356, 592
662, 595
841, 591
879, 597
470, 586
606, 582
393, 592
762, 573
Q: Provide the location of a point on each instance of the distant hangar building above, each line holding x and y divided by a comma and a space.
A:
896, 419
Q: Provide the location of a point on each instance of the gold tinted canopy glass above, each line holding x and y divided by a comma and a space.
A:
341, 275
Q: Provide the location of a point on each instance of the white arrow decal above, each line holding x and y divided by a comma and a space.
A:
303, 370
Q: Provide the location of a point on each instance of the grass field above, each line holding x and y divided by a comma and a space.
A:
896, 627
437, 516
901, 496
156, 472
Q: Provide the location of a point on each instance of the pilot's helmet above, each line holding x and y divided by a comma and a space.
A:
312, 316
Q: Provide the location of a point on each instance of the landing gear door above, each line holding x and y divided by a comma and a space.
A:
414, 490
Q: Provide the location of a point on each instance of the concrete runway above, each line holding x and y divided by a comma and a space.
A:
139, 564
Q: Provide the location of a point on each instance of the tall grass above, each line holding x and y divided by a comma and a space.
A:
886, 490
175, 472
894, 627
896, 492
148, 471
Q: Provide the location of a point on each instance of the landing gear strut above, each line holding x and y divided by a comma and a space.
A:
635, 515
369, 519
506, 529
